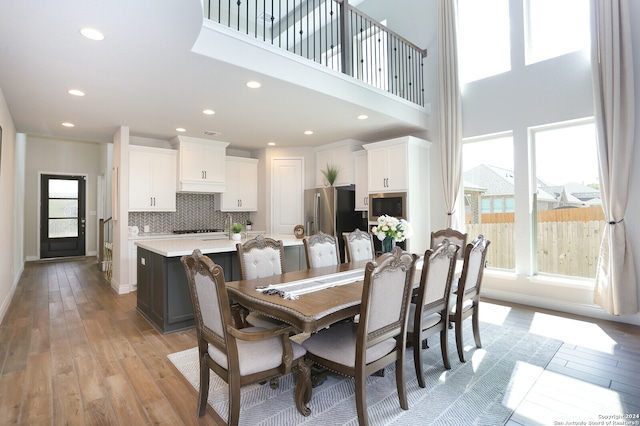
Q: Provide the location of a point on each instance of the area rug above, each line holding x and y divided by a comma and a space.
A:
483, 391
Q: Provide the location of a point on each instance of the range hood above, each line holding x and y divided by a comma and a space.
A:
201, 165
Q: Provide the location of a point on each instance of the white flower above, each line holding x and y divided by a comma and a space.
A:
388, 226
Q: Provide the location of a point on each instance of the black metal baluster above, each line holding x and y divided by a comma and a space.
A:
294, 26
326, 42
333, 56
314, 31
354, 56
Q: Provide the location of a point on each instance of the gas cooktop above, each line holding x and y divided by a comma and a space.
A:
197, 231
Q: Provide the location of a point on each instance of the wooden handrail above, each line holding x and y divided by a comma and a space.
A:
348, 7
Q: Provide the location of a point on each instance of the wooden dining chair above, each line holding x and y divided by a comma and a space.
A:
466, 298
358, 350
321, 250
258, 258
430, 314
358, 245
237, 356
453, 236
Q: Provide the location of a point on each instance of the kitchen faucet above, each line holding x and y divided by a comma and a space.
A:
230, 223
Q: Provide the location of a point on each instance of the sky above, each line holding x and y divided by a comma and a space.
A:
563, 155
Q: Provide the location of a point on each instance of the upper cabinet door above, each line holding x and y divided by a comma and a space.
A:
152, 179
339, 155
201, 164
387, 168
242, 185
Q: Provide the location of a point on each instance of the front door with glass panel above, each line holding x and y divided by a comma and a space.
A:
62, 216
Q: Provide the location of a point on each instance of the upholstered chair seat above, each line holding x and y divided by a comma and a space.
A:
256, 356
339, 346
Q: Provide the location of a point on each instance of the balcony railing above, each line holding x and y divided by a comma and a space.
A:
331, 33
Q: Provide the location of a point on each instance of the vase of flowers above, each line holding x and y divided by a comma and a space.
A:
390, 230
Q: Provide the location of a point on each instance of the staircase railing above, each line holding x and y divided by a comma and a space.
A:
331, 33
105, 247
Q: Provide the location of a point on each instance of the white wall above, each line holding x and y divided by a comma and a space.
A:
44, 155
12, 190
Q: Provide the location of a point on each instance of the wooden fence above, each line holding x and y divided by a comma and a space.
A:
568, 240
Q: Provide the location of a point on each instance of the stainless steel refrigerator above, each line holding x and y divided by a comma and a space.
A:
332, 211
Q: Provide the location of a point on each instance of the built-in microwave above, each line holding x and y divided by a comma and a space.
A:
389, 203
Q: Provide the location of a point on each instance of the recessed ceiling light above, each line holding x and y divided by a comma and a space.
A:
208, 111
68, 124
92, 34
253, 84
308, 132
271, 143
75, 92
363, 117
180, 129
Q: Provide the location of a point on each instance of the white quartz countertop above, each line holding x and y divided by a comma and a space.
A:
207, 243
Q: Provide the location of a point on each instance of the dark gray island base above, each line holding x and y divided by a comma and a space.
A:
163, 295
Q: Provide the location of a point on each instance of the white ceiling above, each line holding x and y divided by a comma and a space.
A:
144, 75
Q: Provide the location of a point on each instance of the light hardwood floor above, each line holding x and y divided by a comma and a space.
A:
74, 352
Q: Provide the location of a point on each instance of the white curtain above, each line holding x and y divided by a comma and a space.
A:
449, 109
612, 63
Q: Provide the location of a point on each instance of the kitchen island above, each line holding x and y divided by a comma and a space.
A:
162, 293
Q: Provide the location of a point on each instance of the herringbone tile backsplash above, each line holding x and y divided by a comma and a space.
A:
193, 211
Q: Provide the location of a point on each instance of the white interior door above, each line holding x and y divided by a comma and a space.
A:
287, 194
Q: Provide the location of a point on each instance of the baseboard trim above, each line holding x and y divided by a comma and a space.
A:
591, 311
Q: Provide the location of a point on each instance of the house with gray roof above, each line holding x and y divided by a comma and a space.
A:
490, 189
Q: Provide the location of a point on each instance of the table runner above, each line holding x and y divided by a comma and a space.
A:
294, 289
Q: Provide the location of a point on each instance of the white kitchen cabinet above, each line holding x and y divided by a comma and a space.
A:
201, 164
387, 168
361, 178
403, 165
152, 179
242, 185
338, 154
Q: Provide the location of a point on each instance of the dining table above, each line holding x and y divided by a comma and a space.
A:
309, 300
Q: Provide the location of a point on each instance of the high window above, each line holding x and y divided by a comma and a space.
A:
483, 39
554, 28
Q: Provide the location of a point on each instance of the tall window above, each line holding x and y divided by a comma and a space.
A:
569, 216
554, 28
489, 195
484, 47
